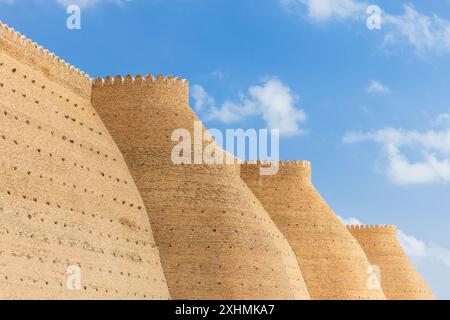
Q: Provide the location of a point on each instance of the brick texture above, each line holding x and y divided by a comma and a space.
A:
399, 278
215, 239
66, 195
88, 181
332, 262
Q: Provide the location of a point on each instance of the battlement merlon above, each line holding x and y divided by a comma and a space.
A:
378, 228
32, 54
172, 86
301, 169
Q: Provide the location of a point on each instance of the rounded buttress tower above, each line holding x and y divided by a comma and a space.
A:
399, 278
72, 222
216, 240
333, 264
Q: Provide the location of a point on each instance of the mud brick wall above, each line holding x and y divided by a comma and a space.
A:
215, 239
113, 203
66, 194
333, 264
399, 278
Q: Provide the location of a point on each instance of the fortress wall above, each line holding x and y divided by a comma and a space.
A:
333, 264
399, 278
215, 239
301, 170
47, 63
66, 195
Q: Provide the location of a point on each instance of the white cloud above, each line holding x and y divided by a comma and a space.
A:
201, 97
411, 245
442, 120
277, 104
326, 9
351, 221
431, 140
432, 146
404, 172
272, 101
427, 34
228, 112
417, 249
377, 87
432, 261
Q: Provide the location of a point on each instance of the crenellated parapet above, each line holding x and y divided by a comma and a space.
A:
371, 226
140, 80
281, 168
28, 52
399, 278
196, 210
159, 86
68, 203
68, 195
161, 102
376, 228
312, 229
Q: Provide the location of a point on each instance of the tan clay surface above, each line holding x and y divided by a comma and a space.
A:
215, 239
332, 262
66, 195
399, 278
69, 197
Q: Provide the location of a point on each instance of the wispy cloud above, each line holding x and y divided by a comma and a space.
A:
349, 221
201, 98
417, 249
427, 34
442, 120
217, 74
273, 101
433, 147
377, 87
322, 10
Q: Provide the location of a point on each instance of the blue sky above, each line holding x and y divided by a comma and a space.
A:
369, 108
